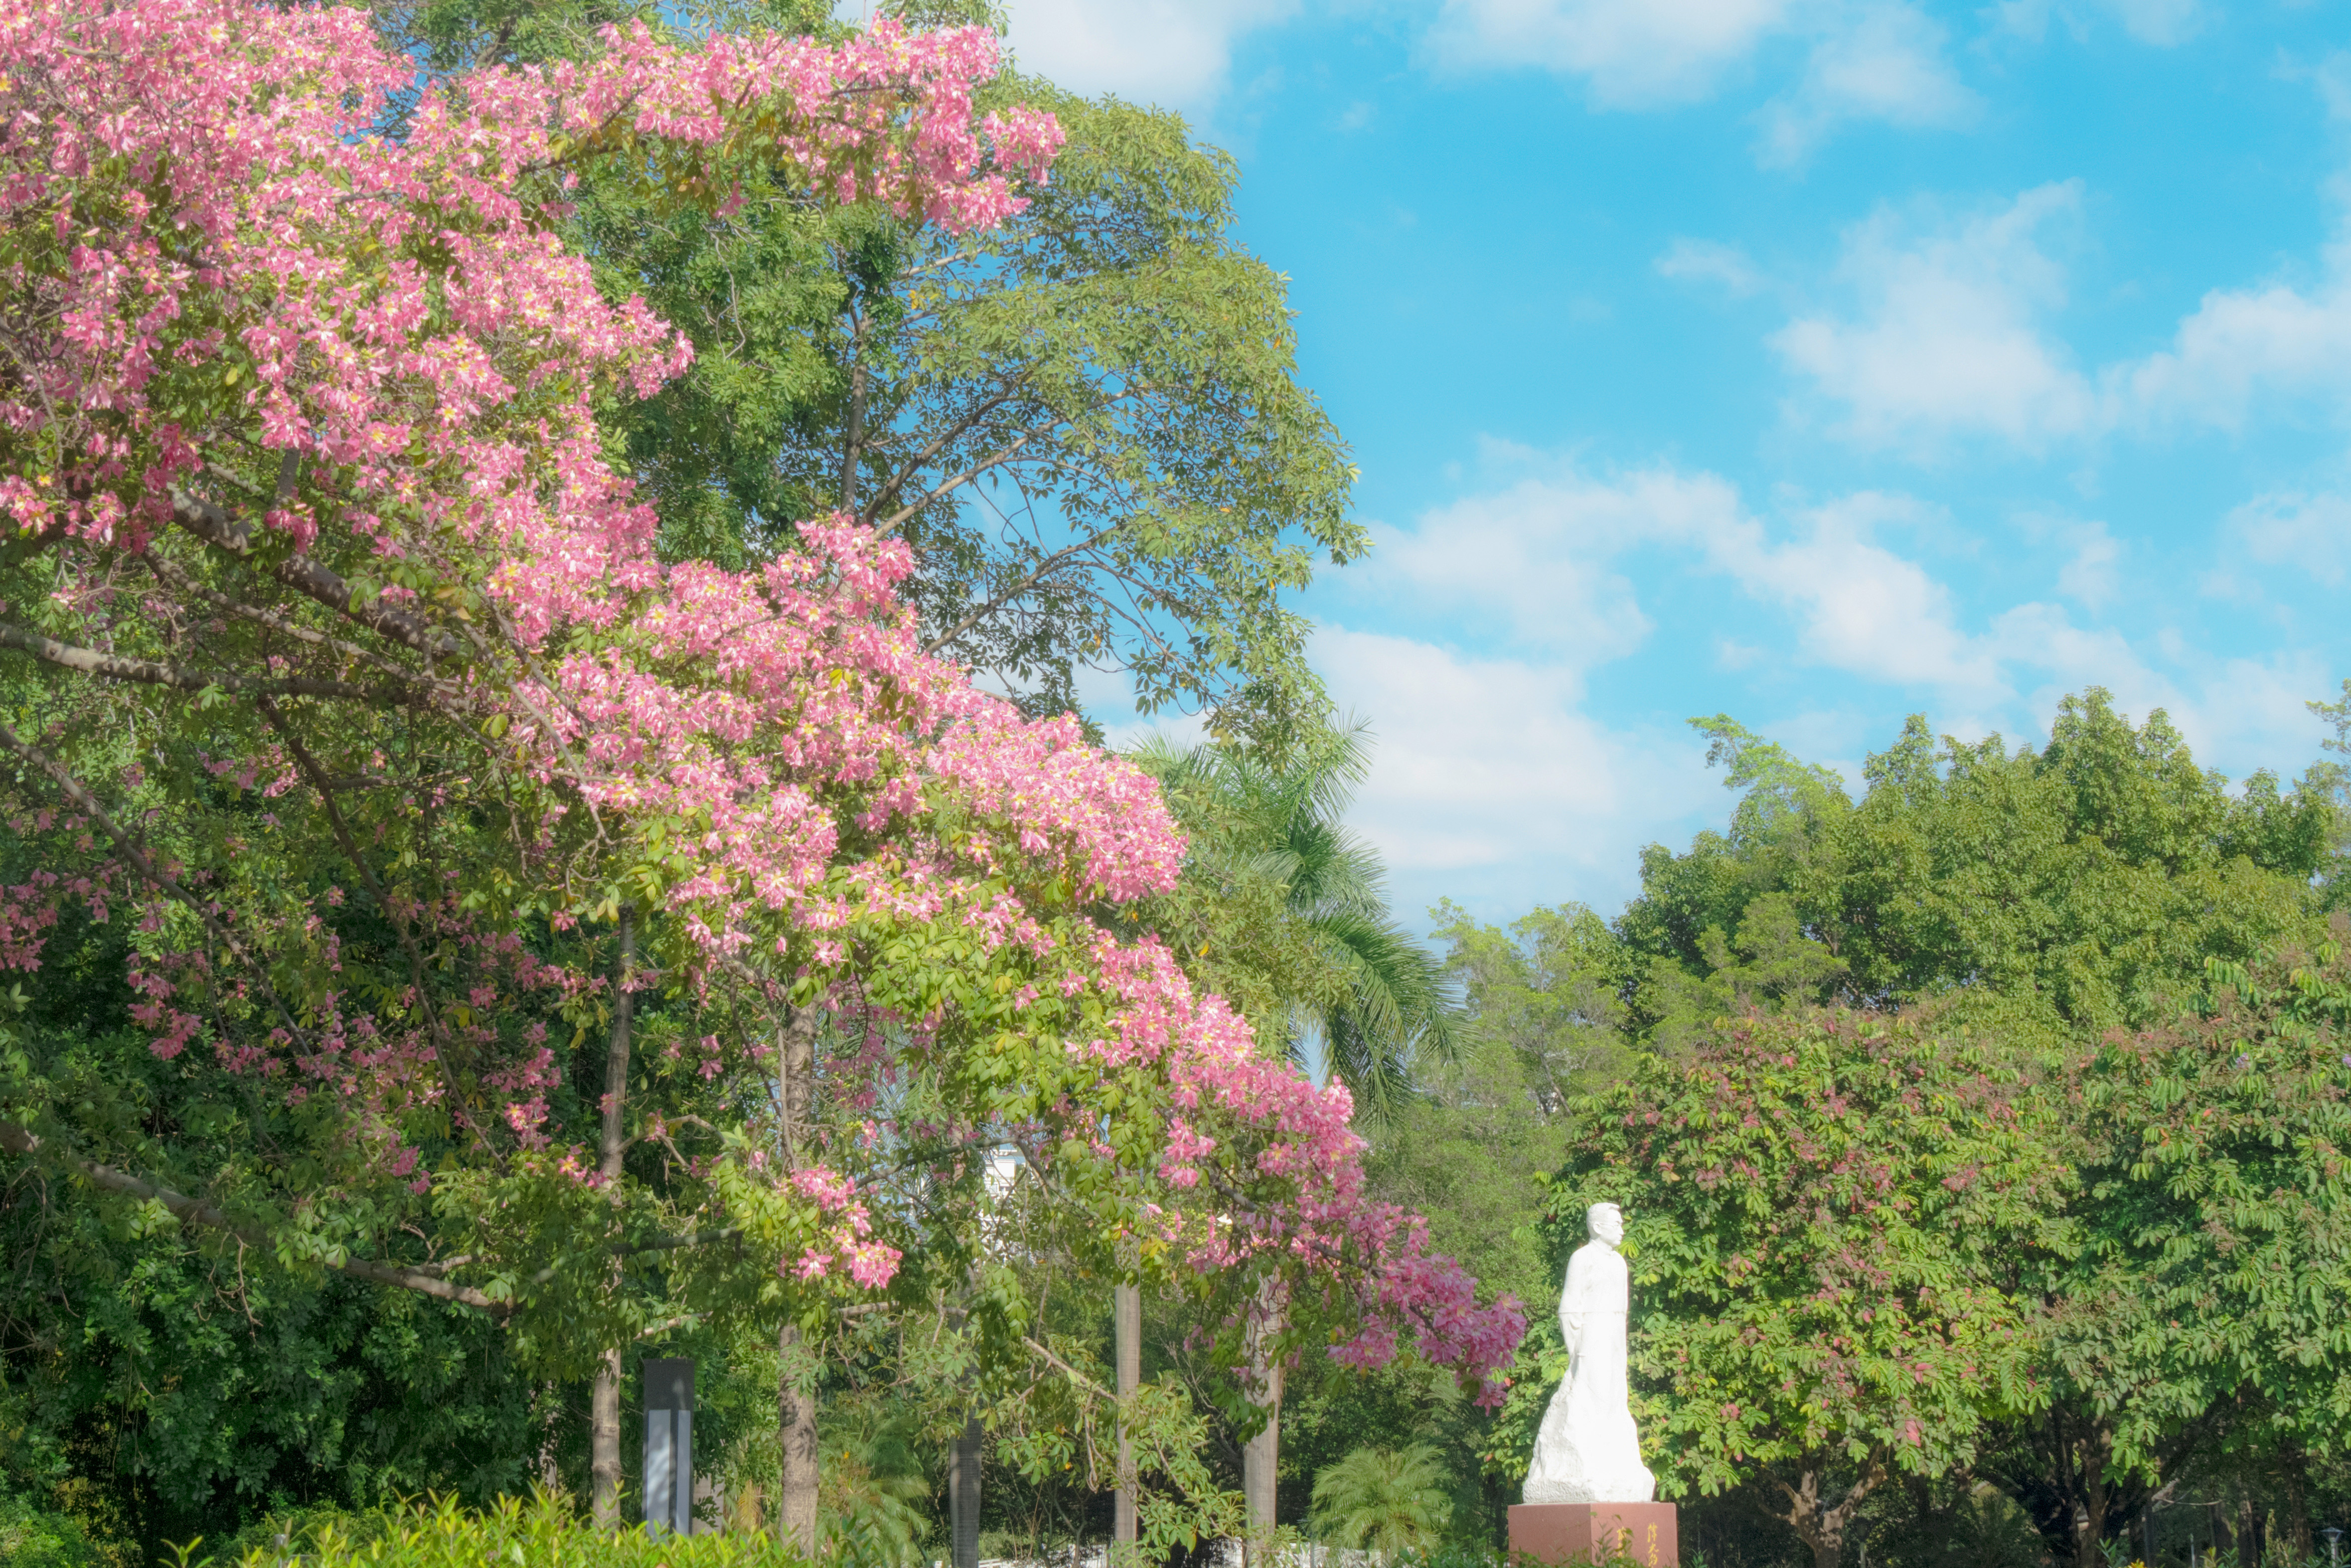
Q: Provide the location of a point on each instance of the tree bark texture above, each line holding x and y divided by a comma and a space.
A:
796, 1403
604, 1442
1261, 1457
796, 1488
604, 1417
550, 1414
2294, 1472
1126, 1319
963, 1495
1821, 1524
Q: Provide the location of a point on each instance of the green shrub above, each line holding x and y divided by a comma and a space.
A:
543, 1534
33, 1537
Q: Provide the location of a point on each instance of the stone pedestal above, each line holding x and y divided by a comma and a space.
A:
1588, 1532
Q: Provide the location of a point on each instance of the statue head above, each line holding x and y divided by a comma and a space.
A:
1605, 1222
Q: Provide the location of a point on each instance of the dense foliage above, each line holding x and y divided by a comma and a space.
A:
548, 555
414, 876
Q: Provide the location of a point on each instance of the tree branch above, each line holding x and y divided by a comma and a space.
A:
115, 667
891, 524
197, 1211
444, 1053
180, 581
313, 580
938, 443
1021, 587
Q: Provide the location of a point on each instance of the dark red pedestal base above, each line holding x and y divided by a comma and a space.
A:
1580, 1532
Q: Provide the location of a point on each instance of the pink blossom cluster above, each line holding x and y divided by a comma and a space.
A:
252, 180
791, 776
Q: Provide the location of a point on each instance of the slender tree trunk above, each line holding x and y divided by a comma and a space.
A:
604, 1405
1126, 1319
795, 1488
550, 1412
796, 1404
604, 1441
1261, 1458
852, 449
2097, 1499
963, 1495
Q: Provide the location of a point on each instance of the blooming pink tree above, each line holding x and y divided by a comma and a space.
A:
358, 728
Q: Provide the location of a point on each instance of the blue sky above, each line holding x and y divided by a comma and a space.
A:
1818, 363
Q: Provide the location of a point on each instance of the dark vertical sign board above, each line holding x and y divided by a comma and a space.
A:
669, 1446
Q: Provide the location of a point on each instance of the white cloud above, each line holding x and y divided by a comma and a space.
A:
2158, 22
2310, 533
1947, 335
2162, 23
1861, 608
1497, 780
1172, 52
1633, 53
1541, 563
2240, 707
2089, 577
1707, 261
1489, 783
1884, 64
1947, 330
1539, 557
2240, 342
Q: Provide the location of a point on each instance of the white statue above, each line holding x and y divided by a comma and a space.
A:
1587, 1451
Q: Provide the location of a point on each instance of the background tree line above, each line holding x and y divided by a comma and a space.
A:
1981, 1136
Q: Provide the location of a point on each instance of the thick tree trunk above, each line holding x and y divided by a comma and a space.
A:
1127, 1325
2090, 1512
1820, 1524
2294, 1508
604, 1419
962, 1496
796, 1488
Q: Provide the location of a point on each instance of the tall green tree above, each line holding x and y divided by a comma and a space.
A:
2199, 1316
1088, 424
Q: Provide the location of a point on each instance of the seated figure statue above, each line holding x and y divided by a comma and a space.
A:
1586, 1450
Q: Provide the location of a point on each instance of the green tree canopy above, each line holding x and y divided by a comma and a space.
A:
2079, 886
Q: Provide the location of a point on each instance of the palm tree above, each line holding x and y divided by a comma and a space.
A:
1384, 1501
1372, 996
1381, 996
